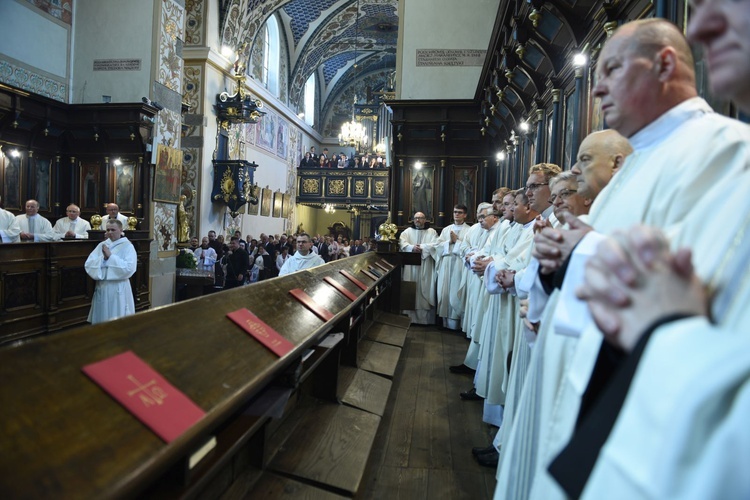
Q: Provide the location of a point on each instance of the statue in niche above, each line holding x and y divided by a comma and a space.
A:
422, 194
465, 190
183, 225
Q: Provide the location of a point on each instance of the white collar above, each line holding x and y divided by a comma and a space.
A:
660, 129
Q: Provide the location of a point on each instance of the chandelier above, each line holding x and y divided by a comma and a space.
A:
329, 208
353, 134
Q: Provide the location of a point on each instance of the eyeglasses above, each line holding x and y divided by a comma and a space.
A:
536, 185
415, 218
564, 195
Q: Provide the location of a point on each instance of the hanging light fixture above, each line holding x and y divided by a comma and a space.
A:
329, 208
353, 133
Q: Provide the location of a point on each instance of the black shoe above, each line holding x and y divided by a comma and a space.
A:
461, 369
471, 395
482, 450
489, 459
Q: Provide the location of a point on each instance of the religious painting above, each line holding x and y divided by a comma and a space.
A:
124, 184
570, 124
266, 133
168, 174
422, 182
282, 139
464, 191
550, 146
286, 205
596, 120
41, 185
88, 172
252, 209
13, 175
277, 202
266, 201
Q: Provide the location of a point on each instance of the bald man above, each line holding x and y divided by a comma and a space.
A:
34, 227
113, 213
72, 226
420, 239
682, 326
682, 150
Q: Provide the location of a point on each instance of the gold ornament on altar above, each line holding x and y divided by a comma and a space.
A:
388, 230
96, 222
132, 222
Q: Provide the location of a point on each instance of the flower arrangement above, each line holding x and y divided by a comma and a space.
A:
186, 259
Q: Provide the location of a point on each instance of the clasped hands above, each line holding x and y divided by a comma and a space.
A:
553, 246
634, 279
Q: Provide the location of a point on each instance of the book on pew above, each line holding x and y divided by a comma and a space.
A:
261, 332
146, 394
375, 272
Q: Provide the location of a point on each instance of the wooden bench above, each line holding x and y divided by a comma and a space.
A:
63, 437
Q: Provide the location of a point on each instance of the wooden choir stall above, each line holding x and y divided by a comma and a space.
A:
299, 425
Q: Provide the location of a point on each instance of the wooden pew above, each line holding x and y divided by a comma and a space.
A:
64, 437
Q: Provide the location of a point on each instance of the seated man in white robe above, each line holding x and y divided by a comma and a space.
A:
111, 265
9, 228
113, 212
33, 226
419, 239
303, 258
72, 226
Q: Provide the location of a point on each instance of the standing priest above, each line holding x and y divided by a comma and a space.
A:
419, 239
303, 258
111, 265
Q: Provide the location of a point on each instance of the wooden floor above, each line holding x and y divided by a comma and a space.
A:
423, 445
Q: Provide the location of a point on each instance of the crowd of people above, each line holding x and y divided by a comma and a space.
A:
328, 160
242, 261
604, 316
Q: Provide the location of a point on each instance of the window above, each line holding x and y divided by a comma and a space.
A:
309, 102
271, 56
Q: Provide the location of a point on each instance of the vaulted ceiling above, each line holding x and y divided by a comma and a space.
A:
348, 44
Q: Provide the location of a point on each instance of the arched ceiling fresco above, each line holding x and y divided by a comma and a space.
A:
344, 42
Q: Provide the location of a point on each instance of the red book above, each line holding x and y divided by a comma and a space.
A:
338, 286
309, 303
145, 394
381, 266
261, 331
370, 275
353, 279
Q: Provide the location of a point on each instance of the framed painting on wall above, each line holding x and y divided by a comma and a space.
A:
123, 178
277, 202
422, 182
265, 203
286, 206
167, 174
570, 123
42, 182
88, 172
13, 177
464, 191
254, 193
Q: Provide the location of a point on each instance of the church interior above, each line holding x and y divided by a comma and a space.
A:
199, 116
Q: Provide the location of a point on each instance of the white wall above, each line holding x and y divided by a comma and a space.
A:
441, 24
107, 30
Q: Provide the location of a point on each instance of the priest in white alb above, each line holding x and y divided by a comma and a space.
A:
72, 226
448, 268
419, 239
303, 258
111, 265
33, 226
9, 228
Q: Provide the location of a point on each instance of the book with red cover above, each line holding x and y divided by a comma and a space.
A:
369, 275
338, 286
309, 303
353, 279
261, 332
145, 394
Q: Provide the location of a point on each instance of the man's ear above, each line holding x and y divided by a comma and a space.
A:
666, 63
617, 162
